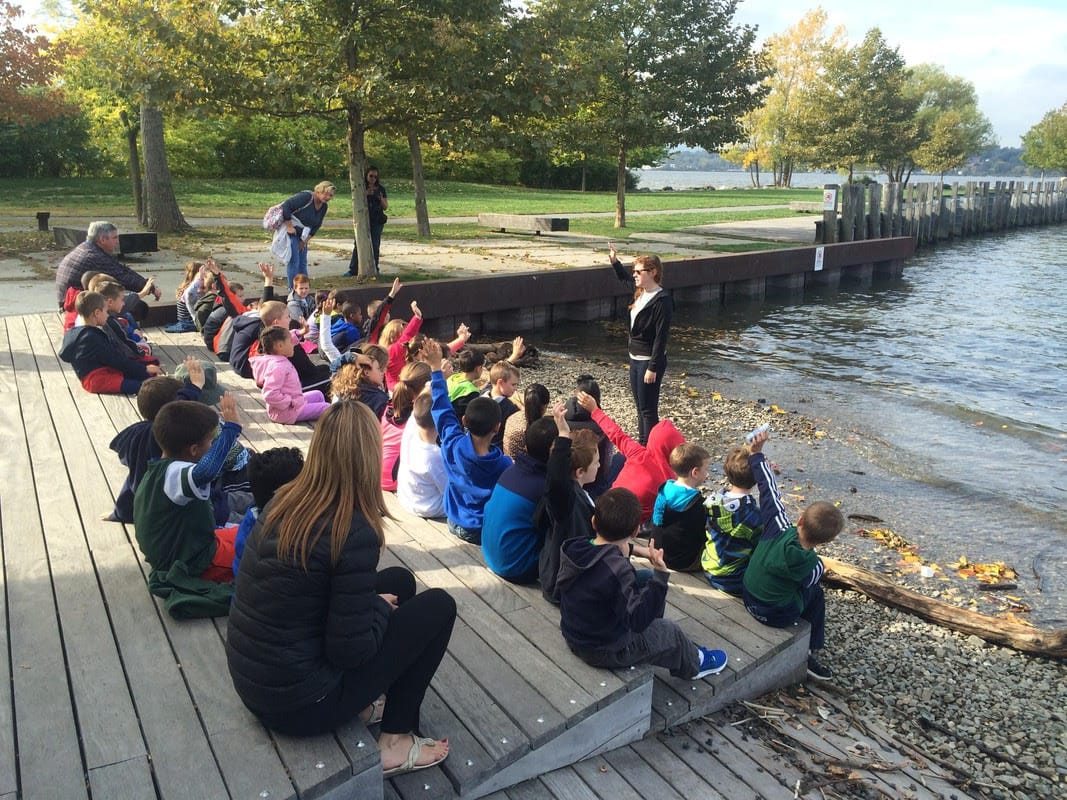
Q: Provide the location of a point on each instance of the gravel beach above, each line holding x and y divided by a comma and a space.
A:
1005, 713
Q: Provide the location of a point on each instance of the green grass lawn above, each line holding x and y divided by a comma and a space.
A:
103, 197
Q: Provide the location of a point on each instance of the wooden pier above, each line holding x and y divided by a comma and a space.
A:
934, 212
103, 695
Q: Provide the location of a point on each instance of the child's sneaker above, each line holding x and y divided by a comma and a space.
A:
712, 662
818, 671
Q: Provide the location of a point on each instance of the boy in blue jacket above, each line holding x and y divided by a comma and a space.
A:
781, 583
472, 461
610, 618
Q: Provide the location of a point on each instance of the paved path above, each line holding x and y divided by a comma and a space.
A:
26, 282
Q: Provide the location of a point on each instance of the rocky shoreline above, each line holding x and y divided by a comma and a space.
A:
999, 716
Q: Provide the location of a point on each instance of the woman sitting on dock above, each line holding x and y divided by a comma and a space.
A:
317, 634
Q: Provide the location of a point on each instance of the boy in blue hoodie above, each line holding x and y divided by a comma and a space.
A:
472, 461
679, 515
608, 617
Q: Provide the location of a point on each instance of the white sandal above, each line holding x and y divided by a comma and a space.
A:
412, 765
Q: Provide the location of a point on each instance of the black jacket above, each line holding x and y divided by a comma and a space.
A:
87, 348
683, 534
649, 331
292, 633
565, 513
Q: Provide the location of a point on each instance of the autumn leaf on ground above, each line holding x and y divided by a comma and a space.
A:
777, 410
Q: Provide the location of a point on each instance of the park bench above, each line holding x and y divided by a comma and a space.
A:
523, 222
137, 242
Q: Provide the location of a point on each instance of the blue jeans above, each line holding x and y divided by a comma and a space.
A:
298, 259
646, 396
814, 612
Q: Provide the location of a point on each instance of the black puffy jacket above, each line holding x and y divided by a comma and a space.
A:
292, 633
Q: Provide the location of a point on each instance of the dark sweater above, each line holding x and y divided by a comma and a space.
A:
568, 514
87, 348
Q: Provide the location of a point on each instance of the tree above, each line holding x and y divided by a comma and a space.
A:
667, 72
865, 116
949, 128
150, 55
1045, 144
797, 59
28, 63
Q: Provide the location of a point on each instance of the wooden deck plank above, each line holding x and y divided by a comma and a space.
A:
746, 755
566, 784
127, 780
168, 716
39, 679
704, 763
468, 761
107, 721
8, 773
646, 782
680, 776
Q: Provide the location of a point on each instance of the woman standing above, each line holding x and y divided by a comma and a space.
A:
650, 323
377, 204
304, 213
317, 634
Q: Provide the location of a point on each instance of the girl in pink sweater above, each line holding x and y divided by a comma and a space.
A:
275, 374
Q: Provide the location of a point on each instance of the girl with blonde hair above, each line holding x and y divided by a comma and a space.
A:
317, 634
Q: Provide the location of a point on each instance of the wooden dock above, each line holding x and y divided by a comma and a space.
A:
103, 695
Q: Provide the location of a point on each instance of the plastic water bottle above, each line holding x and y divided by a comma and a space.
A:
766, 426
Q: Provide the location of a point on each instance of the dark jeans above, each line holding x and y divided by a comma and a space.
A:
814, 612
731, 584
472, 535
661, 644
414, 644
646, 396
376, 243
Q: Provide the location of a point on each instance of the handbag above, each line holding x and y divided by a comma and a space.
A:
274, 218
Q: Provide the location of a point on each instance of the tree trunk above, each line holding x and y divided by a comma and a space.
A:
620, 189
134, 163
993, 629
161, 211
422, 215
357, 171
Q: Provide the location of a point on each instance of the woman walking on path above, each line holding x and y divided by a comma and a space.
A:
650, 322
317, 634
304, 213
377, 205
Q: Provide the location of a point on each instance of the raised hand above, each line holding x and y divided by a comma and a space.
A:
559, 412
195, 370
586, 401
228, 408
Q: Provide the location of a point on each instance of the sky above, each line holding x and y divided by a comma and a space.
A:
1015, 53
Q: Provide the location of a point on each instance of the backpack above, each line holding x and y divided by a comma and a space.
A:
275, 218
204, 306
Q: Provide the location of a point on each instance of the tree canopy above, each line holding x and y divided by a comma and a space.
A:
1045, 144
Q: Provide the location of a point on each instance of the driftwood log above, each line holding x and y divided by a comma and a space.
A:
495, 351
1008, 633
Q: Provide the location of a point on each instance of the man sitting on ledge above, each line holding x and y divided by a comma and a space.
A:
96, 254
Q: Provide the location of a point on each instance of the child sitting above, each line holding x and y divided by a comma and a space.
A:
679, 515
187, 296
472, 461
608, 616
503, 383
301, 303
395, 417
101, 365
246, 330
646, 467
534, 404
781, 583
421, 478
464, 381
267, 472
119, 325
513, 534
372, 378
394, 338
135, 445
286, 400
70, 313
572, 464
173, 518
345, 329
734, 525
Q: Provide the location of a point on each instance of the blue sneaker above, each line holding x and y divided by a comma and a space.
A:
712, 662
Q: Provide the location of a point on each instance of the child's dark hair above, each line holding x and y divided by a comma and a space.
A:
270, 470
587, 383
540, 434
687, 457
320, 298
87, 277
617, 514
351, 311
481, 416
377, 353
534, 402
88, 303
737, 470
822, 522
420, 412
183, 423
271, 337
469, 360
155, 393
413, 348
